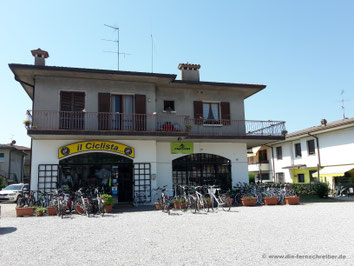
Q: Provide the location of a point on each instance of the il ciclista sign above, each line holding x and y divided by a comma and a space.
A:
87, 146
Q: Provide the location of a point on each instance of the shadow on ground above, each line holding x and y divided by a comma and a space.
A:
7, 230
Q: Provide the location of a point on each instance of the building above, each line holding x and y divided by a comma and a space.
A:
13, 165
326, 149
133, 131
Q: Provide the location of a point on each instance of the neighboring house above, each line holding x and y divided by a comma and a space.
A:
327, 148
12, 160
132, 131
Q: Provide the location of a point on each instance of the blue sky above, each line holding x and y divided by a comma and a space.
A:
302, 50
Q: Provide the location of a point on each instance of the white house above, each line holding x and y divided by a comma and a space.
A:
327, 149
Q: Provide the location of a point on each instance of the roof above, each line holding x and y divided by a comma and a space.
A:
16, 147
25, 74
315, 129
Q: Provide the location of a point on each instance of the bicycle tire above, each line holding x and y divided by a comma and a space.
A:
20, 202
101, 207
214, 205
224, 201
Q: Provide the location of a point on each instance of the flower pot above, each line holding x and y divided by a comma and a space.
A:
183, 205
177, 205
28, 211
292, 200
107, 208
271, 201
79, 209
158, 205
229, 201
40, 213
249, 202
52, 211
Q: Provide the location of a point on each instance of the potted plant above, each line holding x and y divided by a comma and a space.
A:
40, 211
158, 205
24, 211
188, 127
51, 210
208, 200
176, 203
248, 201
183, 203
292, 200
108, 202
270, 200
27, 123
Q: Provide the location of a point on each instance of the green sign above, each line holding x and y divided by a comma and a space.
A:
182, 147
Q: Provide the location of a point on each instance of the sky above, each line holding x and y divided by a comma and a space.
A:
302, 50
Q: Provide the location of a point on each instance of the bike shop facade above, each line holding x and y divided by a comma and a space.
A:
132, 131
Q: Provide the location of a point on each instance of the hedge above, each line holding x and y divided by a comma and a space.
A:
320, 189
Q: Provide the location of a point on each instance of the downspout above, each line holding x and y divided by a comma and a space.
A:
318, 154
9, 172
22, 167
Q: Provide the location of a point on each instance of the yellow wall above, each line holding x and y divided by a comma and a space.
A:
306, 172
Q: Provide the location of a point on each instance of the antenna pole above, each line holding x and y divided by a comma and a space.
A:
116, 29
152, 54
343, 108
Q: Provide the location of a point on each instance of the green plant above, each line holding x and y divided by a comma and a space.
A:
188, 127
230, 193
40, 211
207, 199
108, 199
3, 182
251, 177
318, 188
27, 122
322, 189
270, 197
176, 200
248, 198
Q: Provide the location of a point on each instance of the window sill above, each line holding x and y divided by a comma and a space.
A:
213, 125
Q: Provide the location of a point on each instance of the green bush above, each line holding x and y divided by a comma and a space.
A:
108, 199
251, 177
3, 182
320, 189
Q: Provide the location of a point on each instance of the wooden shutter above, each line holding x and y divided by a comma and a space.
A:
140, 112
225, 113
78, 101
104, 110
65, 101
198, 112
71, 106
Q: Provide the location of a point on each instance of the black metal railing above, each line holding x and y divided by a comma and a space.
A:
158, 123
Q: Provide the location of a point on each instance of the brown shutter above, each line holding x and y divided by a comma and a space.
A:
78, 101
225, 113
65, 101
104, 109
198, 112
140, 112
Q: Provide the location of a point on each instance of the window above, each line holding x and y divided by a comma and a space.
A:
311, 147
280, 178
279, 153
301, 178
263, 156
169, 106
211, 113
72, 106
298, 150
2, 157
262, 177
312, 178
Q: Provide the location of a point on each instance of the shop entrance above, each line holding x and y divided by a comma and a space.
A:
113, 173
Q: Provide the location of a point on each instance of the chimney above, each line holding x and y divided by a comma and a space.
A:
39, 56
323, 122
189, 72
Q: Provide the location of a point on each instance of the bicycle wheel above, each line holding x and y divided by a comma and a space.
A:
101, 207
20, 201
203, 204
224, 202
214, 205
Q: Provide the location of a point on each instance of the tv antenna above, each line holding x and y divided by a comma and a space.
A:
152, 54
342, 101
116, 41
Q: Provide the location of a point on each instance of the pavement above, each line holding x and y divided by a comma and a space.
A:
308, 234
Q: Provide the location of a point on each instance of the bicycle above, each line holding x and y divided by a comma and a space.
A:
220, 200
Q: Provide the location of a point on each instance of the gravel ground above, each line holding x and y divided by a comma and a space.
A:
247, 235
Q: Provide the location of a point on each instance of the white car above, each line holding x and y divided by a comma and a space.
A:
11, 192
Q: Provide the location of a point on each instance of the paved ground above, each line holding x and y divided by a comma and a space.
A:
246, 235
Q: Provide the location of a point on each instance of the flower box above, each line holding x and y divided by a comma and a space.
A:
108, 208
28, 211
52, 211
292, 200
271, 201
249, 202
177, 205
158, 205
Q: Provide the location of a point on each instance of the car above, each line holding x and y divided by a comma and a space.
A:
11, 192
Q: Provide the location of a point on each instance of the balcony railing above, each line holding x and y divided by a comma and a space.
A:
152, 123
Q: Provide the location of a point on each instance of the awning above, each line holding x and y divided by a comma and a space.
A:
254, 151
339, 170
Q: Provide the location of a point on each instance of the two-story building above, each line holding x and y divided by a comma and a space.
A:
13, 163
134, 131
326, 149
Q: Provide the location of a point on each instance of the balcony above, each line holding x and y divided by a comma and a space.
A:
93, 123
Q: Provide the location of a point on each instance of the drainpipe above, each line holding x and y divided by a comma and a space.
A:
318, 154
9, 172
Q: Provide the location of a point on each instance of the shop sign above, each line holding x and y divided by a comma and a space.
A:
87, 146
182, 147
